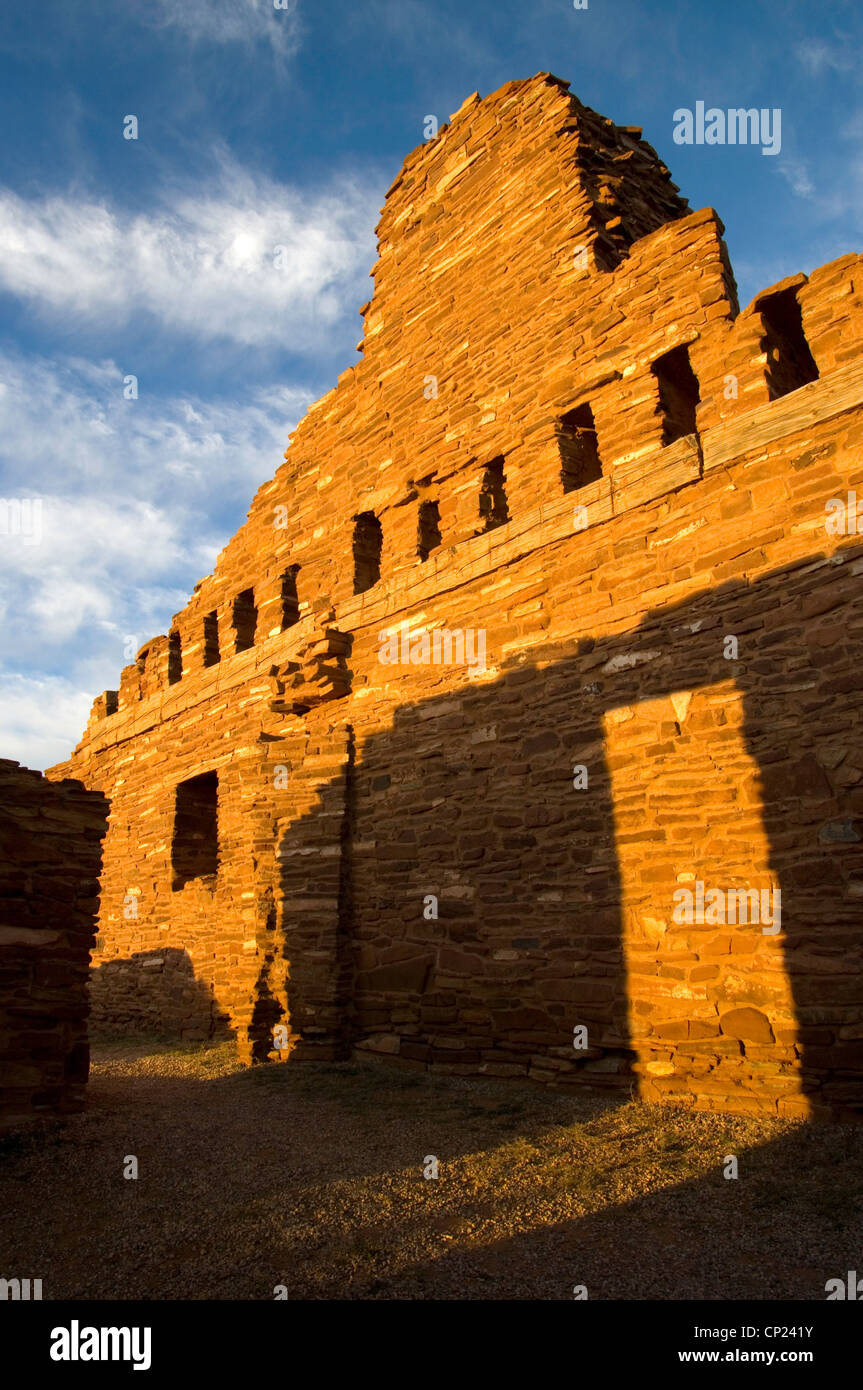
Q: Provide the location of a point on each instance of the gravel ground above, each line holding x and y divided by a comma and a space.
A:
311, 1176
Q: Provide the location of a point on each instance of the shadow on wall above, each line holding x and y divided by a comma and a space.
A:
737, 767
154, 994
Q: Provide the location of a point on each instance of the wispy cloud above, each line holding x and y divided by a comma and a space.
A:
247, 260
137, 498
421, 26
230, 21
837, 196
35, 714
141, 447
821, 56
796, 173
852, 129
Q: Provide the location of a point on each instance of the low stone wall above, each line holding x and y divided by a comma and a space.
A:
153, 994
50, 858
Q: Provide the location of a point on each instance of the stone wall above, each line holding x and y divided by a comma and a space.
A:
566, 438
50, 855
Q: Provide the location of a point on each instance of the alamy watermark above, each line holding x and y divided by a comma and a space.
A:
22, 516
20, 1290
850, 1288
845, 516
737, 126
715, 907
77, 1343
440, 647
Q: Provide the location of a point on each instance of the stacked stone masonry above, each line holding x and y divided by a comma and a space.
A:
565, 439
50, 857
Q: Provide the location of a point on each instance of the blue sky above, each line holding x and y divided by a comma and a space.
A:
260, 127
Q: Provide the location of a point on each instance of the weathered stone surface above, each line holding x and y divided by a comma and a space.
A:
564, 436
50, 857
750, 1025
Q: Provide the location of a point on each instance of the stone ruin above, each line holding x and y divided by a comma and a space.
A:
540, 630
50, 853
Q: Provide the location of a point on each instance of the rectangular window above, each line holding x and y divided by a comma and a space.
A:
428, 529
493, 509
175, 657
678, 394
195, 842
368, 545
790, 364
579, 454
290, 598
211, 639
245, 620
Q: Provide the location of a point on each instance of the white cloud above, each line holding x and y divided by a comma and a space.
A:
818, 56
134, 449
92, 555
137, 499
35, 714
837, 199
230, 21
206, 266
853, 127
796, 173
419, 26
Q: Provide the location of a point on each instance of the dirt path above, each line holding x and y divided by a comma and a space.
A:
312, 1176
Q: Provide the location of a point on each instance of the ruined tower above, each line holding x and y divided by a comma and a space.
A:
420, 768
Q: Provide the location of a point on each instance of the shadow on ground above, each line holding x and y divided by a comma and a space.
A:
311, 1176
